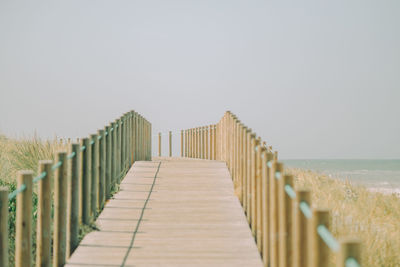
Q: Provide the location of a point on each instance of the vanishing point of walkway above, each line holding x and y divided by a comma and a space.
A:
171, 212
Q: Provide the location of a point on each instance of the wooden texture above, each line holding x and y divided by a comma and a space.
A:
159, 144
85, 180
3, 226
60, 211
171, 212
301, 229
23, 236
349, 248
73, 201
43, 233
94, 181
319, 252
170, 144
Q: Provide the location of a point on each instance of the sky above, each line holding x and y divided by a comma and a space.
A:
314, 79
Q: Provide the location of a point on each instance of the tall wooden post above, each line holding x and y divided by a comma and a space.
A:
43, 233
259, 191
203, 142
170, 143
301, 230
60, 211
244, 167
113, 155
94, 176
254, 150
159, 144
73, 201
23, 237
267, 157
285, 222
250, 148
319, 252
182, 143
102, 166
275, 174
85, 180
3, 226
108, 156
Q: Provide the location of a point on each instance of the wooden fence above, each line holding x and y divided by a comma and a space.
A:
84, 179
287, 229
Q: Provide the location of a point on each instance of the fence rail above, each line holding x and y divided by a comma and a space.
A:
84, 180
288, 230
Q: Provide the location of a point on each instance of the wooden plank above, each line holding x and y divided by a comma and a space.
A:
171, 212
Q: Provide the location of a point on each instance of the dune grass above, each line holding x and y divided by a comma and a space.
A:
24, 154
371, 216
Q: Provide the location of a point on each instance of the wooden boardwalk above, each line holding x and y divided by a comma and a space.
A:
171, 212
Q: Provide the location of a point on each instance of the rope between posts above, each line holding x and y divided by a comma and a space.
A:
322, 230
41, 176
328, 238
351, 262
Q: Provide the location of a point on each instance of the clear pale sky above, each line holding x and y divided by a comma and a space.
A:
315, 79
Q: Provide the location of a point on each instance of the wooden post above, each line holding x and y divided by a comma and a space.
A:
113, 155
102, 166
182, 143
301, 229
23, 236
286, 222
215, 144
94, 176
206, 143
350, 249
210, 146
133, 137
129, 136
198, 142
60, 211
275, 171
118, 150
254, 150
3, 226
73, 202
259, 191
192, 143
159, 144
267, 157
108, 162
240, 160
319, 252
123, 147
43, 232
203, 143
244, 168
85, 180
250, 148
170, 143
186, 145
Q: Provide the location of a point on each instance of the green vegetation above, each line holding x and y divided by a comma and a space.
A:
371, 216
24, 154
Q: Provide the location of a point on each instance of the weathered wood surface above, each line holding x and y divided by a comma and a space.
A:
171, 212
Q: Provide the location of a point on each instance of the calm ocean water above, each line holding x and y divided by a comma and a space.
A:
379, 175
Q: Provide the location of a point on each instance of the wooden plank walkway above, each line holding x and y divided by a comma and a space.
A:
171, 212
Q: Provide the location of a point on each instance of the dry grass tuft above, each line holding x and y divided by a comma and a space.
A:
371, 216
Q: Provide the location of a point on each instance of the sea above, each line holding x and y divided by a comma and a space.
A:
376, 175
